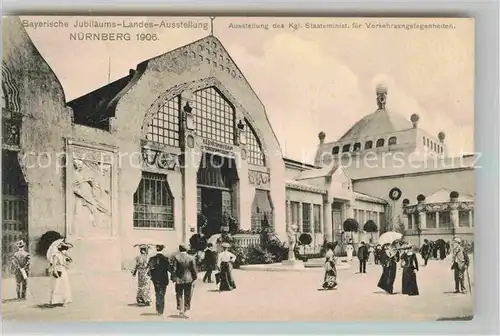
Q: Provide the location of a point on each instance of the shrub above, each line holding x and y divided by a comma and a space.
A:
198, 242
277, 249
229, 223
305, 239
256, 254
45, 241
350, 225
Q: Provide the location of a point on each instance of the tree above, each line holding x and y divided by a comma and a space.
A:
350, 225
370, 227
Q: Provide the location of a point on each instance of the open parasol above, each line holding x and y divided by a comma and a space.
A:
213, 239
53, 248
389, 237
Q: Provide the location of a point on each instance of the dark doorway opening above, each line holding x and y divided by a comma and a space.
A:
217, 180
15, 206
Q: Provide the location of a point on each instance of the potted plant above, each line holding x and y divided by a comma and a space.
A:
370, 227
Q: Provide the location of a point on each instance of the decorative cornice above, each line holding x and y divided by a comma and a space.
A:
436, 207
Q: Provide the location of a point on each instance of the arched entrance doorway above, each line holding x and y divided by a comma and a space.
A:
216, 186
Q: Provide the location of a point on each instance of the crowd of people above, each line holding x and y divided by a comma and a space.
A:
181, 269
403, 253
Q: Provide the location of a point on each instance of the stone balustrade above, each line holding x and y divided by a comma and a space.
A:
246, 239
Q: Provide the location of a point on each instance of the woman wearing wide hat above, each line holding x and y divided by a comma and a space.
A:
225, 262
59, 263
409, 263
389, 257
141, 269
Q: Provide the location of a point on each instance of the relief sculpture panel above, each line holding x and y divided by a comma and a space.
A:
91, 193
259, 179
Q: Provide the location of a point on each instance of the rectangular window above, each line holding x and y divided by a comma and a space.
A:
463, 218
317, 218
445, 219
430, 220
306, 217
410, 221
356, 216
361, 221
153, 203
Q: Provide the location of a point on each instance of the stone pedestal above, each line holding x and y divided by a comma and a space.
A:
293, 263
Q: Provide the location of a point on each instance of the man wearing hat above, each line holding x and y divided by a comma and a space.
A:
183, 274
20, 265
159, 266
460, 264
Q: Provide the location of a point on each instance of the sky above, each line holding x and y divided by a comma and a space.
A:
309, 79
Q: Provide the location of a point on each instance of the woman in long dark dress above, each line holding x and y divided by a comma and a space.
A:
330, 279
409, 263
388, 259
225, 262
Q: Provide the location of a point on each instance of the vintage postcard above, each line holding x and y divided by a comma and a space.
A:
237, 169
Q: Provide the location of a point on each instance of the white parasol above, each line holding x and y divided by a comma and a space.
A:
213, 239
389, 237
53, 248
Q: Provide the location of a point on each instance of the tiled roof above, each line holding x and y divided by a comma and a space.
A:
292, 184
368, 198
387, 168
443, 195
315, 173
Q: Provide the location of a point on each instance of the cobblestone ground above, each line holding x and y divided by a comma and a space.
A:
260, 296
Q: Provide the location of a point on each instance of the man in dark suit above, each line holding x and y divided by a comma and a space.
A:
363, 255
159, 266
210, 262
425, 251
183, 274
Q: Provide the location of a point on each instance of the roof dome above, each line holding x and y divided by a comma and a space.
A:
377, 123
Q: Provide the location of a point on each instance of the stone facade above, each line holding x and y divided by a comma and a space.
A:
88, 194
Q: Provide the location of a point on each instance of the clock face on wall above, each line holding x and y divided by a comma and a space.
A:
395, 194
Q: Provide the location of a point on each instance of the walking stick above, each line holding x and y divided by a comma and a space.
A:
468, 280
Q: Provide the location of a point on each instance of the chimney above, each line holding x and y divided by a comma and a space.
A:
131, 72
321, 137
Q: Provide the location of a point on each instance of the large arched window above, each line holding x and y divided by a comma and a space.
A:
255, 153
380, 142
357, 146
164, 128
335, 150
214, 116
393, 141
346, 148
369, 144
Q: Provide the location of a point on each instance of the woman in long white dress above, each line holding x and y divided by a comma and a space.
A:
61, 289
349, 250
